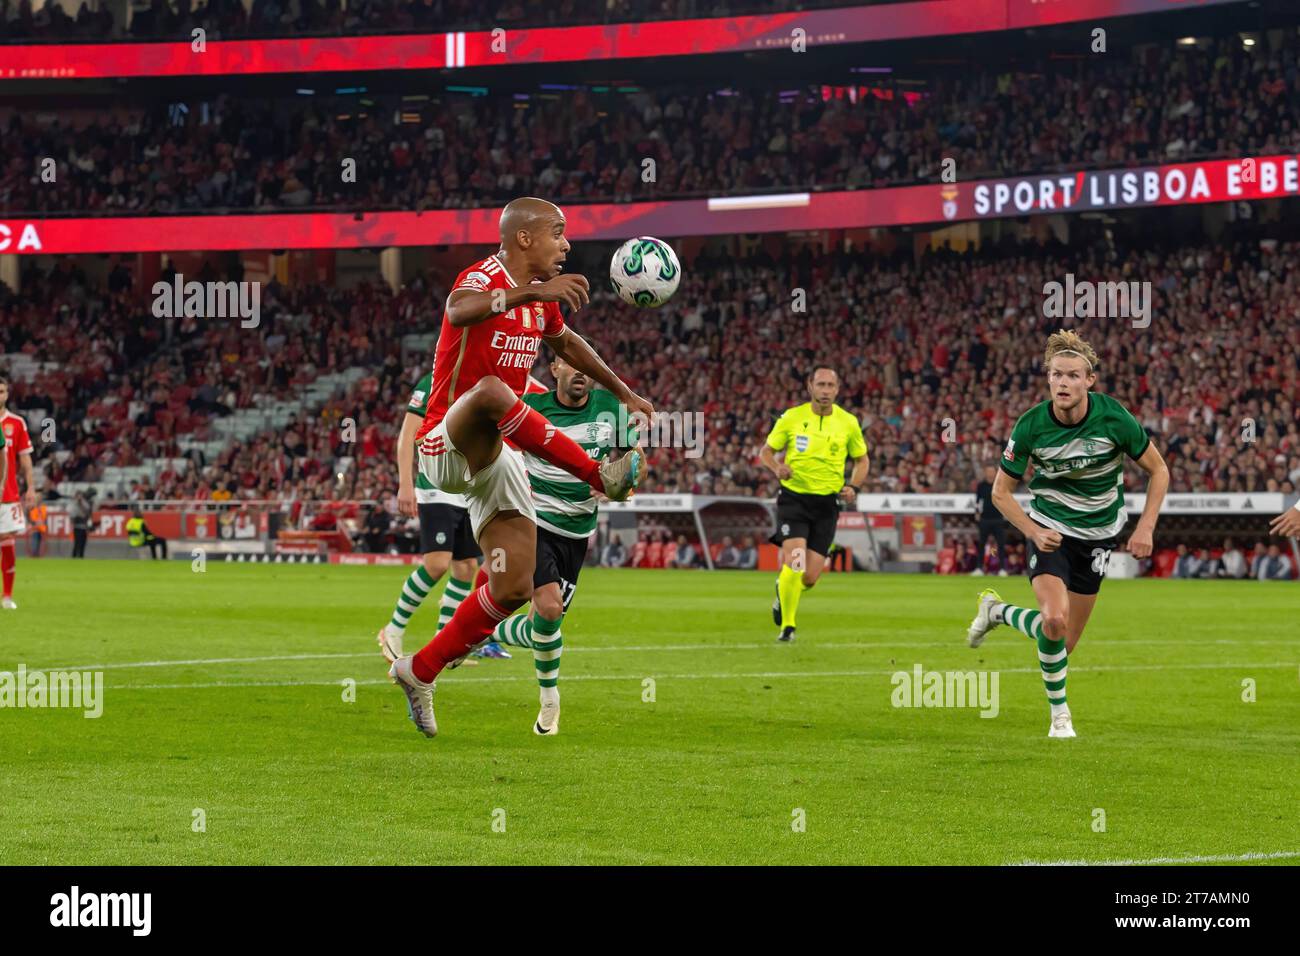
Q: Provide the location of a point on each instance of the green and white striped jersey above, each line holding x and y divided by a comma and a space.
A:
425, 492
565, 504
1078, 482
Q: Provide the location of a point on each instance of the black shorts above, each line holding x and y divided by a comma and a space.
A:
813, 517
559, 560
1080, 563
445, 527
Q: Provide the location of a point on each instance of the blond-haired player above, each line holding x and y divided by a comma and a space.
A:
1076, 441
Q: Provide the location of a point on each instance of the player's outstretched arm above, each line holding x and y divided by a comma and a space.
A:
1004, 499
1140, 542
577, 351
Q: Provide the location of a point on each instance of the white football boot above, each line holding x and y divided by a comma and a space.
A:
621, 477
1062, 726
8, 604
983, 623
390, 642
548, 718
419, 695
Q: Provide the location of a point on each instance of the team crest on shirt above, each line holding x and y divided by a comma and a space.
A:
801, 442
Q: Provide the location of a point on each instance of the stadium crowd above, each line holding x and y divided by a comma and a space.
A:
937, 358
121, 387
1154, 104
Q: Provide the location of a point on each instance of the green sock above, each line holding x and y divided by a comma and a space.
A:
1053, 658
414, 591
1025, 620
516, 630
539, 635
452, 595
547, 646
789, 585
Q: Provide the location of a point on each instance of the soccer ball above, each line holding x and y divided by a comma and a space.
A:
645, 272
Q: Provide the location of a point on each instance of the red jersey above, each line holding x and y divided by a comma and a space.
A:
17, 441
504, 345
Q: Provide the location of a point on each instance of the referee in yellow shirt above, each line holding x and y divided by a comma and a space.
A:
816, 437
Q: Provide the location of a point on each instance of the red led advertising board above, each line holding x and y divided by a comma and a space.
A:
436, 51
1222, 180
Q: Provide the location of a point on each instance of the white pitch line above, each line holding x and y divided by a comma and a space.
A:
631, 648
730, 675
1163, 860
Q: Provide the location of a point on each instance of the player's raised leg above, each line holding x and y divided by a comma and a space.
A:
491, 399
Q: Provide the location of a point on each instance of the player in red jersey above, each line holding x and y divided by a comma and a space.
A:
17, 451
497, 314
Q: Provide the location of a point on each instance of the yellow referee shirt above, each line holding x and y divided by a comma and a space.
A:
816, 447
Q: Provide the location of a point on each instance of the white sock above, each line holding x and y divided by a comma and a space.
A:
549, 695
1058, 709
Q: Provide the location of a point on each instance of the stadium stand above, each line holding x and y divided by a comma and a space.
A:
252, 152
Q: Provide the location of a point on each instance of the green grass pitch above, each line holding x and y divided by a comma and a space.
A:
224, 694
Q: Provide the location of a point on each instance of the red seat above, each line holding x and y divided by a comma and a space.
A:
1162, 565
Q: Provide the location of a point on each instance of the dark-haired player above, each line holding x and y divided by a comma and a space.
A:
816, 439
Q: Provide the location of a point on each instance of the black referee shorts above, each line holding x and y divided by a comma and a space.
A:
813, 517
445, 527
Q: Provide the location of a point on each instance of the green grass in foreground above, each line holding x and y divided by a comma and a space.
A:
224, 693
